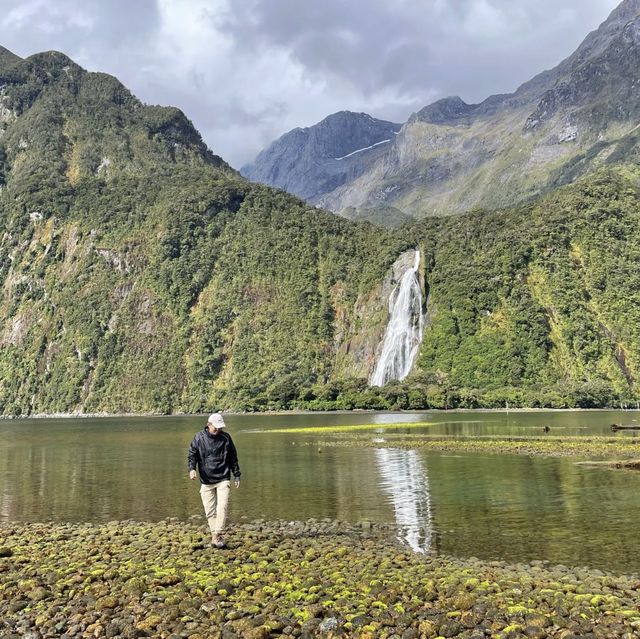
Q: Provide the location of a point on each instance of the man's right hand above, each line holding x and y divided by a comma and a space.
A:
192, 474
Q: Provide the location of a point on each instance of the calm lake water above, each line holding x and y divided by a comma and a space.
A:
489, 506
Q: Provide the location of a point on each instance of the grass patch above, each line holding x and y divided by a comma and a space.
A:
347, 428
552, 447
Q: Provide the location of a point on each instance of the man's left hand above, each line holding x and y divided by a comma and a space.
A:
237, 482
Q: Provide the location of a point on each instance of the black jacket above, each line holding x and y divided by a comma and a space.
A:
215, 457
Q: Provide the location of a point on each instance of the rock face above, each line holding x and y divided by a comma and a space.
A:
450, 156
599, 83
315, 160
358, 342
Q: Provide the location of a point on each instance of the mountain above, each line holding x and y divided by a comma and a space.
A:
140, 273
315, 160
538, 302
7, 58
451, 157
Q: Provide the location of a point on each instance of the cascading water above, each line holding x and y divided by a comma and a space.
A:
404, 332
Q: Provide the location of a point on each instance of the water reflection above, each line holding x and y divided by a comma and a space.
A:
494, 507
404, 478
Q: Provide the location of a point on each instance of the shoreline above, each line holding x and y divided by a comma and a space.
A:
363, 411
288, 579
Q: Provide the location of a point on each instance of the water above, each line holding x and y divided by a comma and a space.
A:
404, 479
404, 331
489, 506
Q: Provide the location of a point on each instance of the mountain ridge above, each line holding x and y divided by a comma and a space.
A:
139, 273
450, 157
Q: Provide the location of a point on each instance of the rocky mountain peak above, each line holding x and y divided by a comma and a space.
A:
344, 132
607, 60
454, 110
444, 111
311, 161
624, 12
600, 39
592, 46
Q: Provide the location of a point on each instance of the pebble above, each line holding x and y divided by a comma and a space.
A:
318, 578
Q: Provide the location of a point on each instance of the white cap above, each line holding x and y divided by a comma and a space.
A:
217, 420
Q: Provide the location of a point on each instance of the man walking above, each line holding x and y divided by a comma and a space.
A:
212, 451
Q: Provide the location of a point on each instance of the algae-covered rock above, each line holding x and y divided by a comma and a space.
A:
278, 579
428, 628
149, 623
107, 603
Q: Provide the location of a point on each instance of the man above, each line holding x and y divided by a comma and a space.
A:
212, 451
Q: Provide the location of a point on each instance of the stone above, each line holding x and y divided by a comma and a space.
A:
328, 625
17, 605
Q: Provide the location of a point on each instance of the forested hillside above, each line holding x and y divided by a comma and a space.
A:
541, 305
536, 306
139, 273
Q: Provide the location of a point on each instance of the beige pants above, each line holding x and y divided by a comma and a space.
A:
215, 499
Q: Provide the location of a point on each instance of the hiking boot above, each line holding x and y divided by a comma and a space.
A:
217, 541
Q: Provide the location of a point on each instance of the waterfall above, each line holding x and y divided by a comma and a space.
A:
403, 335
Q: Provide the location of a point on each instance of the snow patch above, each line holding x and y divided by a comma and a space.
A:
366, 148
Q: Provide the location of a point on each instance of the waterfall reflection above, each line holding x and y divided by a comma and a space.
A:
404, 478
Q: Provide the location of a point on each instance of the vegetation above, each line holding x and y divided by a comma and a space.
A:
139, 273
542, 446
539, 306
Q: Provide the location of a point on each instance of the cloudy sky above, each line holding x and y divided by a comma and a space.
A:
246, 71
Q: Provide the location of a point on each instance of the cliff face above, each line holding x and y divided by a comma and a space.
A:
359, 335
312, 161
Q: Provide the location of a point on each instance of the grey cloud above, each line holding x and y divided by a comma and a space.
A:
262, 67
73, 25
346, 39
418, 44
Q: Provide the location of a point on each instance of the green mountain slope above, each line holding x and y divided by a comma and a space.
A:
139, 273
543, 299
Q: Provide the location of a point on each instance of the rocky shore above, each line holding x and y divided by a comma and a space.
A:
288, 579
